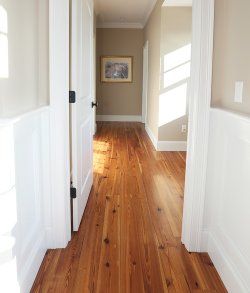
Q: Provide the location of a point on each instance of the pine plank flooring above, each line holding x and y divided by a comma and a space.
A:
129, 238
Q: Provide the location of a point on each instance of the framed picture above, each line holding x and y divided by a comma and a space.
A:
116, 69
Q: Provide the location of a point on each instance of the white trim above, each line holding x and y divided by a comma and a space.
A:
32, 264
204, 241
200, 99
151, 136
172, 146
228, 272
232, 114
229, 134
147, 15
119, 118
31, 113
59, 123
25, 137
132, 25
166, 146
177, 3
145, 83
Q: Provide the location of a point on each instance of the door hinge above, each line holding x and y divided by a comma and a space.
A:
72, 192
72, 97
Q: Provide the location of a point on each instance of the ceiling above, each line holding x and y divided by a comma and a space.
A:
123, 13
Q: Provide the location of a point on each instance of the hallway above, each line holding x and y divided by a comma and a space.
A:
129, 239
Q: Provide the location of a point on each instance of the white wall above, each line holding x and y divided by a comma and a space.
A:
25, 187
24, 47
34, 146
25, 198
227, 206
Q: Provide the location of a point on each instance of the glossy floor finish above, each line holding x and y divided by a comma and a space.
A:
129, 239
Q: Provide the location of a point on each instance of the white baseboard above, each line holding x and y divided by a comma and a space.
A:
172, 146
225, 266
151, 136
32, 265
166, 146
204, 241
119, 118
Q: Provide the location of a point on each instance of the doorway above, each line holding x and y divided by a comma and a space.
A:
175, 56
121, 156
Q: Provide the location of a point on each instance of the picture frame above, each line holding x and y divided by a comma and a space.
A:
116, 69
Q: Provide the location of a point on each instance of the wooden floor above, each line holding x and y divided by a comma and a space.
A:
129, 239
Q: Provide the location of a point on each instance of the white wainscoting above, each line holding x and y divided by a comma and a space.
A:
227, 205
25, 198
119, 118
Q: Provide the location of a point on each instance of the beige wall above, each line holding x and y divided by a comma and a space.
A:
152, 34
120, 98
167, 30
24, 84
231, 54
176, 35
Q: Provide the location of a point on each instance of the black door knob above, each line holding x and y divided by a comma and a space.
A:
94, 104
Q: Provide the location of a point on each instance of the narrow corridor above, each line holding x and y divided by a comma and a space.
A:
129, 239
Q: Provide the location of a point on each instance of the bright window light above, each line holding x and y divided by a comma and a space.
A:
3, 20
176, 75
175, 78
173, 104
4, 56
177, 57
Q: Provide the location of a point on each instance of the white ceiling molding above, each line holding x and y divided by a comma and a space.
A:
173, 3
123, 14
120, 25
146, 18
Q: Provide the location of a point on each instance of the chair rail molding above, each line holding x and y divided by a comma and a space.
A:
200, 99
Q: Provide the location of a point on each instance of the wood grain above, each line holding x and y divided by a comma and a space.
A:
129, 238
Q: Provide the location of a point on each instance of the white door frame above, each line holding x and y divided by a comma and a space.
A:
145, 84
200, 100
200, 91
60, 232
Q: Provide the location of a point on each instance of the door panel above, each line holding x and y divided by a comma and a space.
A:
81, 111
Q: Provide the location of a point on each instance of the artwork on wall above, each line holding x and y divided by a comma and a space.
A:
116, 69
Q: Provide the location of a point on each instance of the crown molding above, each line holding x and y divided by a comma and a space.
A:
174, 3
136, 25
147, 15
120, 25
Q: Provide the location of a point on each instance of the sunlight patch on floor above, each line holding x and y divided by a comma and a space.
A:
100, 150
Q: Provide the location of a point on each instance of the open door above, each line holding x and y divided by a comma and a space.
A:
81, 79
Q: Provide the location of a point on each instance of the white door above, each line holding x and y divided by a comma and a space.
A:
145, 83
81, 79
